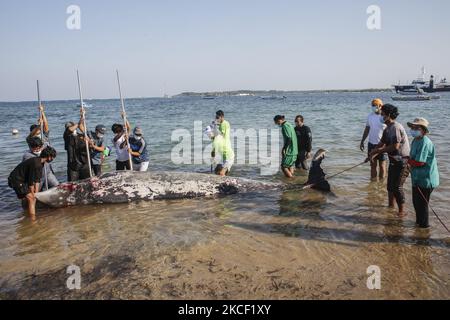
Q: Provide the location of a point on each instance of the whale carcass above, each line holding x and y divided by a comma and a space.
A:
129, 186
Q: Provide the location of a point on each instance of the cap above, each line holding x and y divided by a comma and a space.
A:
138, 131
100, 128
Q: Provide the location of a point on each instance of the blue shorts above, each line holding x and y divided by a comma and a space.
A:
380, 157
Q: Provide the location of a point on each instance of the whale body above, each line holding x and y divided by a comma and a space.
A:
129, 186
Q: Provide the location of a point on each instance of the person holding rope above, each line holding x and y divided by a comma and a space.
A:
120, 145
395, 143
424, 170
35, 129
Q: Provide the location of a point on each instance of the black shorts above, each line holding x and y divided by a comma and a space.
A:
380, 157
122, 165
21, 190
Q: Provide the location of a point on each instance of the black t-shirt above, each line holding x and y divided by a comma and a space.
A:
76, 151
28, 172
304, 138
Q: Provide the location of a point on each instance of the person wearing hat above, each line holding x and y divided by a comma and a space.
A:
97, 146
395, 143
374, 131
138, 150
424, 169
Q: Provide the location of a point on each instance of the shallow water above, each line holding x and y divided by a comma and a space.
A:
260, 245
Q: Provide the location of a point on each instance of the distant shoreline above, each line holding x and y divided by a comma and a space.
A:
224, 94
272, 92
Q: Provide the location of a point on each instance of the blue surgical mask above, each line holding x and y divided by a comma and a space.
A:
375, 109
415, 133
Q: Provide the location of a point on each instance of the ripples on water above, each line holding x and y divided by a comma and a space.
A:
338, 231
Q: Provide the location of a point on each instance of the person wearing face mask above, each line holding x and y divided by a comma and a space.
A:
138, 150
36, 145
374, 130
26, 177
97, 146
290, 146
395, 143
35, 129
424, 169
75, 145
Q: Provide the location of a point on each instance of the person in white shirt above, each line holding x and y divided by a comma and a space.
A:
120, 144
374, 130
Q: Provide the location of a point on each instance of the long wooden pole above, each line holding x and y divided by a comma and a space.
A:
42, 129
124, 119
84, 124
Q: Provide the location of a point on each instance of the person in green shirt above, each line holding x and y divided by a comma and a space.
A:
290, 149
222, 144
424, 169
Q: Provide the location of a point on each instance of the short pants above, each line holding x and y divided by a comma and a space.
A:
380, 157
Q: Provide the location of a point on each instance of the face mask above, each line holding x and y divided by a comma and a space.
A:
100, 136
375, 109
37, 153
138, 138
74, 133
415, 133
49, 161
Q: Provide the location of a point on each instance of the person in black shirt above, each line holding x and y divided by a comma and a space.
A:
77, 159
25, 178
304, 140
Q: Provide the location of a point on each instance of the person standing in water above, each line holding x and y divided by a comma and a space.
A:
395, 143
304, 141
120, 145
26, 177
424, 170
222, 143
138, 150
35, 129
97, 147
374, 130
289, 152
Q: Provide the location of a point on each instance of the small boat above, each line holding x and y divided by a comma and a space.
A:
273, 97
411, 98
208, 97
414, 95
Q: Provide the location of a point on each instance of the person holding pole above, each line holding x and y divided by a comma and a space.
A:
424, 170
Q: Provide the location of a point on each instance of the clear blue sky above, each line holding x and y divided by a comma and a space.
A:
217, 45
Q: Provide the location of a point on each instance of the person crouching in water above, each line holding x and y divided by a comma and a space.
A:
120, 145
138, 150
26, 177
395, 143
97, 147
36, 145
424, 170
290, 148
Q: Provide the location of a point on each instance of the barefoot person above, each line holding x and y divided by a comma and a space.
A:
26, 177
374, 130
290, 148
97, 147
395, 143
36, 146
424, 169
222, 144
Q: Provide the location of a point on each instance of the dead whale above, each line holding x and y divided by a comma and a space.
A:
129, 186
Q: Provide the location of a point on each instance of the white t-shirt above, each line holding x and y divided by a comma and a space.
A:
121, 154
376, 128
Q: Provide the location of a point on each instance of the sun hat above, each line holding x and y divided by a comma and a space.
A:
420, 122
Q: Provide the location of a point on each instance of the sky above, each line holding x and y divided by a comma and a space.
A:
175, 46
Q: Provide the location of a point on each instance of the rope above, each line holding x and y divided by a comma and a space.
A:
428, 203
